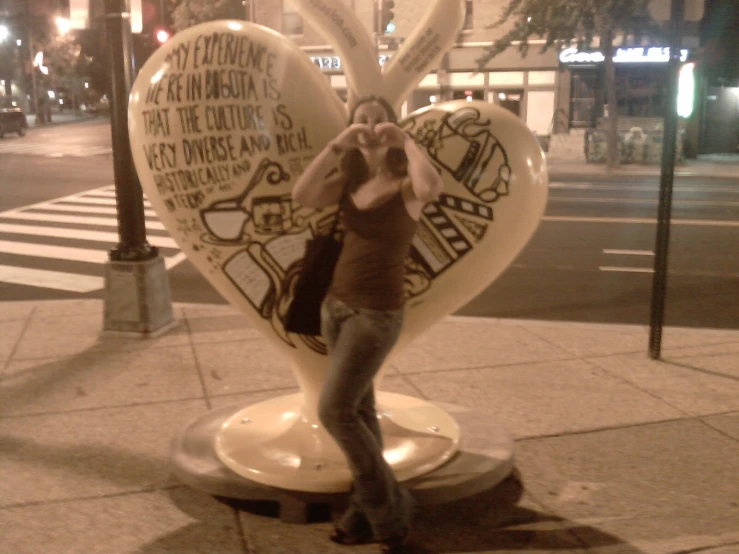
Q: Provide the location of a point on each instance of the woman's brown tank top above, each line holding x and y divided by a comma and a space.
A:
371, 267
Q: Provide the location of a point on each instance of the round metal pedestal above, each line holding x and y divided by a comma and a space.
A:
483, 459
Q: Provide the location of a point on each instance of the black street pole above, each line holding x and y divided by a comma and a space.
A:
667, 177
129, 195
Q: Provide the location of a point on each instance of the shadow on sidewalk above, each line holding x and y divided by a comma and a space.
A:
488, 522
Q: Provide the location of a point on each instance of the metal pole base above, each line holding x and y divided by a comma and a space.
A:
137, 299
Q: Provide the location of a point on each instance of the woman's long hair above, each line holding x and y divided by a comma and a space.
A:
353, 164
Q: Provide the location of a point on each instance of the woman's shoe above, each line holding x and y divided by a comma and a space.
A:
349, 539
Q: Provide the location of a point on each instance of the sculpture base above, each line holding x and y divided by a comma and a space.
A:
280, 444
484, 459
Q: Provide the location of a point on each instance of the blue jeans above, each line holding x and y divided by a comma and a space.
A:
358, 341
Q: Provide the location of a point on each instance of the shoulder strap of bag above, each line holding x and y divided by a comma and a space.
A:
337, 215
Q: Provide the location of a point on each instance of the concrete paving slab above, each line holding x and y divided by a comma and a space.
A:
98, 380
50, 458
16, 310
92, 308
638, 472
267, 534
726, 423
546, 398
488, 523
676, 533
225, 327
725, 364
529, 323
144, 523
242, 366
48, 337
204, 310
681, 337
584, 342
248, 398
465, 345
705, 349
685, 384
391, 383
10, 333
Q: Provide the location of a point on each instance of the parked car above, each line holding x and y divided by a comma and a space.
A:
12, 118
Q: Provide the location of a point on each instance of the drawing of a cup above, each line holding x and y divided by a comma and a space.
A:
272, 214
225, 220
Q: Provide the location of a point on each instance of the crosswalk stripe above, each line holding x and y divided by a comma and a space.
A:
42, 149
79, 234
90, 208
97, 200
103, 193
87, 208
54, 252
43, 278
99, 221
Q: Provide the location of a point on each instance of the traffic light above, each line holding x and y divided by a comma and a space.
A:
387, 15
162, 35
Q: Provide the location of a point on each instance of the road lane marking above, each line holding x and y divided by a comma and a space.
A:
97, 221
636, 220
655, 188
43, 278
638, 201
630, 252
79, 234
626, 269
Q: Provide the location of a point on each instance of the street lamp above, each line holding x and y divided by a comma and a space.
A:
4, 33
64, 25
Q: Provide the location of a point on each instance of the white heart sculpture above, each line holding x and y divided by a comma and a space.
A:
223, 119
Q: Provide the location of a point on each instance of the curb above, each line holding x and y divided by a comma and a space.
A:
34, 126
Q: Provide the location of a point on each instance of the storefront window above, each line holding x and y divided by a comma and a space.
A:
509, 99
470, 95
582, 98
640, 91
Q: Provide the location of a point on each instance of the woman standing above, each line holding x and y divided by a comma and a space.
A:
383, 184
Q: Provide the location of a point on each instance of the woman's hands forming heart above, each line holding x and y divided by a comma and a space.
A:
360, 135
390, 135
354, 136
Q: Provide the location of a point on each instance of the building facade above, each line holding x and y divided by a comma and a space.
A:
552, 92
525, 85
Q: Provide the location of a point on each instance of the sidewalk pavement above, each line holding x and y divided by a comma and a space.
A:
716, 166
619, 454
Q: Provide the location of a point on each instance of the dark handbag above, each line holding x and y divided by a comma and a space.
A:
321, 254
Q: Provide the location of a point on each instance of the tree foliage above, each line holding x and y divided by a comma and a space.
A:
563, 23
192, 12
67, 66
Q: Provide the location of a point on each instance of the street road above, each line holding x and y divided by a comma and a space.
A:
590, 260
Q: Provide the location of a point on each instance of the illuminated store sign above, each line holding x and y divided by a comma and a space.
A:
652, 54
333, 63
